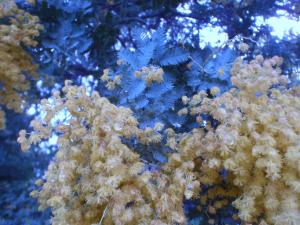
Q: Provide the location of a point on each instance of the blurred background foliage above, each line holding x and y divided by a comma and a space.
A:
83, 37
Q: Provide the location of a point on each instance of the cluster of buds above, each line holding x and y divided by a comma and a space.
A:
111, 83
150, 74
243, 47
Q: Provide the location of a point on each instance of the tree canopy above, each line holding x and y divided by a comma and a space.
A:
139, 80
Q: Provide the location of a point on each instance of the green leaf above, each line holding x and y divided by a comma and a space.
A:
173, 57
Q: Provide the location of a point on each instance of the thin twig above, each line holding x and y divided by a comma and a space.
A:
104, 214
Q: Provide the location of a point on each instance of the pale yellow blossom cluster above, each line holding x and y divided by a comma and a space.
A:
181, 165
214, 91
243, 47
150, 74
95, 178
16, 67
256, 144
250, 154
149, 135
111, 83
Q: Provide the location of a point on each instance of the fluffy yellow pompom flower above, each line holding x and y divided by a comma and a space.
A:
20, 31
95, 178
256, 142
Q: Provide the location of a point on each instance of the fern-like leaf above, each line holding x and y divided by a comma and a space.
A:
219, 67
146, 53
173, 57
130, 57
157, 90
135, 88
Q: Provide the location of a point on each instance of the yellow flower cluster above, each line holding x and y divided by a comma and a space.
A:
150, 74
110, 83
243, 47
250, 154
95, 178
256, 144
16, 65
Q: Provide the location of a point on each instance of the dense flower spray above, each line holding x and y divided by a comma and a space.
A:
16, 67
255, 142
95, 178
248, 153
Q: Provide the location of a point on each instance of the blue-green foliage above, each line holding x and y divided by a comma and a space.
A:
211, 68
153, 102
184, 74
152, 49
173, 56
70, 38
66, 41
223, 60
